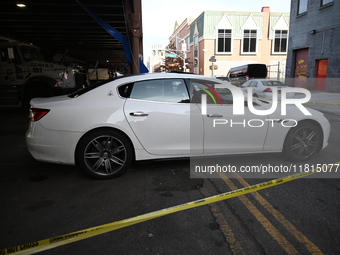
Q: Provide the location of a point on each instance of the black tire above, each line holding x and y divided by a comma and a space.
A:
302, 142
255, 95
104, 154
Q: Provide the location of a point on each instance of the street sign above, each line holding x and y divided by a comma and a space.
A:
171, 55
212, 59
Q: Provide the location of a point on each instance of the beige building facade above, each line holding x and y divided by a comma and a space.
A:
157, 57
234, 39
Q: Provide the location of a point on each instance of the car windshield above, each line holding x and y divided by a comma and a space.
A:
273, 83
31, 53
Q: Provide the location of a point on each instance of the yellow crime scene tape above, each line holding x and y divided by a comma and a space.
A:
50, 243
322, 103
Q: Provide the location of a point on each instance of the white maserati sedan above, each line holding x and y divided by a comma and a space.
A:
263, 88
104, 127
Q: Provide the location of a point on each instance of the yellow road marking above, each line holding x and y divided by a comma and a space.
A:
312, 248
54, 242
229, 235
281, 240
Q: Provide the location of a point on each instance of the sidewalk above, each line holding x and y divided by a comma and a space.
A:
324, 101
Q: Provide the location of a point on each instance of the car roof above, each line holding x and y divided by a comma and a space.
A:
152, 76
143, 77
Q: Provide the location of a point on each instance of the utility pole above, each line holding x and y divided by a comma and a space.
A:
278, 70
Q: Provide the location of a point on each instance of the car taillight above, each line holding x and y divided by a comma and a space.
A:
36, 114
267, 90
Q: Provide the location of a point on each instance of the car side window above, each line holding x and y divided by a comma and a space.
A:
162, 90
216, 93
125, 90
277, 83
253, 84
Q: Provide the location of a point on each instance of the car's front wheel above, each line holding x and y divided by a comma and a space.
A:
302, 142
104, 154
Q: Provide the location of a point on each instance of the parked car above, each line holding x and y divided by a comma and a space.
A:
263, 88
104, 127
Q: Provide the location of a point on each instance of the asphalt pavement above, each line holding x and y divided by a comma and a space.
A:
45, 200
324, 101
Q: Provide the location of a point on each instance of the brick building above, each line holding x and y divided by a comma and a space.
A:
314, 52
234, 38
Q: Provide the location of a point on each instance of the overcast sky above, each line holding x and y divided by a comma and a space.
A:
159, 16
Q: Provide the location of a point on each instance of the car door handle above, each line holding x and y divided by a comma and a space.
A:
215, 115
139, 114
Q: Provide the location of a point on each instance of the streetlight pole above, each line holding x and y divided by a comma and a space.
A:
212, 69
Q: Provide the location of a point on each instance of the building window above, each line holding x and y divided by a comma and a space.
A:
224, 41
249, 41
196, 40
326, 2
302, 8
196, 51
280, 41
160, 53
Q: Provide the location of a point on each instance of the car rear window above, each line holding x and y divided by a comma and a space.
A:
89, 88
273, 83
94, 86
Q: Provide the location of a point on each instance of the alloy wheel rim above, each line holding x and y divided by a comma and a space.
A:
304, 142
105, 155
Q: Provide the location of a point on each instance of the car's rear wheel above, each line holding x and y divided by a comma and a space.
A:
302, 142
104, 154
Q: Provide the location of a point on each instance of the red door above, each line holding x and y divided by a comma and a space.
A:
321, 74
301, 68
